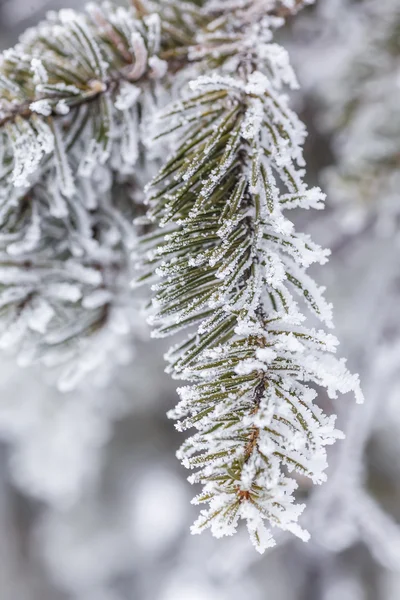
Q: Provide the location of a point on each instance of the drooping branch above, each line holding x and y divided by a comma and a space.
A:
230, 266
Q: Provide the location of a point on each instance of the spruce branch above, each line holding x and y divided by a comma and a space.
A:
72, 95
230, 266
69, 61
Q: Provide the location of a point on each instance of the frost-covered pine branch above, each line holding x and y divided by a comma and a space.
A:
72, 93
233, 269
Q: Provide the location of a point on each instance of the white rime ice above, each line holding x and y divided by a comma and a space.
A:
232, 269
70, 137
78, 97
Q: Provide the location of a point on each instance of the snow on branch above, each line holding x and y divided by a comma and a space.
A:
72, 94
232, 269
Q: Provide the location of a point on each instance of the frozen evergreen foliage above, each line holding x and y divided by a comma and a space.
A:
231, 267
70, 96
77, 98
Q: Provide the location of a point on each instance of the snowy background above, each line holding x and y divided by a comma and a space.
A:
93, 503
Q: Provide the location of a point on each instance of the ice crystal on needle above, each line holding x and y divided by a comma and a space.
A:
232, 268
